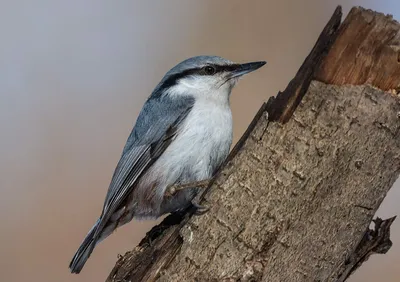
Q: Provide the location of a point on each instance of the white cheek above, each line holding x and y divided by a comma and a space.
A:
199, 84
202, 88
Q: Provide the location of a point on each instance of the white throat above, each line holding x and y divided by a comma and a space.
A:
204, 90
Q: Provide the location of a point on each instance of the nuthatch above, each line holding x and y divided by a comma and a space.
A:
182, 135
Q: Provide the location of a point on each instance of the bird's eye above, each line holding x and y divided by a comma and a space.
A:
209, 70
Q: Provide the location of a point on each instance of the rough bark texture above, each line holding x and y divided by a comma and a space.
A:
296, 197
295, 201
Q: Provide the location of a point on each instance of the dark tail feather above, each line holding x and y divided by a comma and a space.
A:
84, 251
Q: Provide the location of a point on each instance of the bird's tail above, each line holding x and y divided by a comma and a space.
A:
84, 251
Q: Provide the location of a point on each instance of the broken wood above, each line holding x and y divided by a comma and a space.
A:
295, 198
374, 241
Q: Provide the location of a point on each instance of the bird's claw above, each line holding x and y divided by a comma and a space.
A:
200, 210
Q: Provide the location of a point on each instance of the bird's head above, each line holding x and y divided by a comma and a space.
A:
204, 77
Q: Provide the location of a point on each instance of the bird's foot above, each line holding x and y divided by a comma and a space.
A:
200, 210
173, 189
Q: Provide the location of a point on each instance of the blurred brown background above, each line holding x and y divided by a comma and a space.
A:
73, 77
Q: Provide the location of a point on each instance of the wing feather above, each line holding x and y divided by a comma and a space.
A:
156, 133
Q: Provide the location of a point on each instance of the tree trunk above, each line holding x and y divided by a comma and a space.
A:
295, 198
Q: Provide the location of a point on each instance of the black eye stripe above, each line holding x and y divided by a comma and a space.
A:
226, 68
173, 79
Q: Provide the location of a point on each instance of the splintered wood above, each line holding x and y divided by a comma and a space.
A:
367, 51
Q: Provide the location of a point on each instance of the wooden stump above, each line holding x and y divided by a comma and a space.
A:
296, 196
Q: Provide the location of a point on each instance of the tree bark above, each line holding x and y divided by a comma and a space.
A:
295, 198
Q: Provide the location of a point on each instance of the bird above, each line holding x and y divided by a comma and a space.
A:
182, 135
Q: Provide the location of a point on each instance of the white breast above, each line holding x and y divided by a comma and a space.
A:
201, 145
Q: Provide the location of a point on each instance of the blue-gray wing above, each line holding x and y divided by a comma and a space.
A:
155, 129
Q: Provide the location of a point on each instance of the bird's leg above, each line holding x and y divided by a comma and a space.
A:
173, 189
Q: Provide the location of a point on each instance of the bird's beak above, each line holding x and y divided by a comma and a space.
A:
246, 68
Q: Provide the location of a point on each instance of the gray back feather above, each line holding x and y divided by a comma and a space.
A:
154, 119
